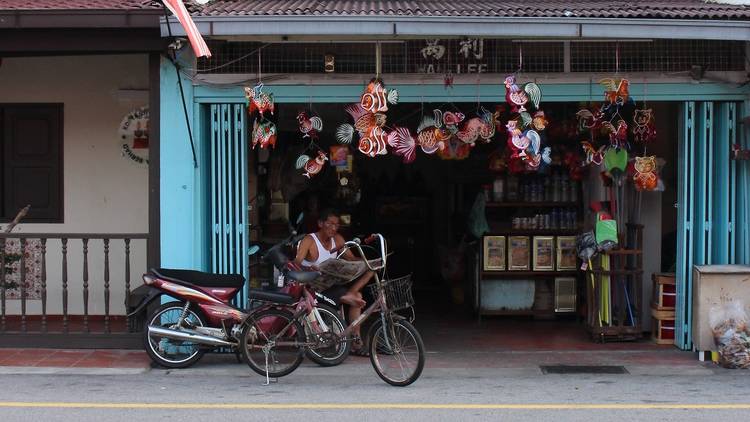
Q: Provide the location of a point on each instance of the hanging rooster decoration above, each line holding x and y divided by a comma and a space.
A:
525, 130
518, 98
309, 126
312, 166
369, 119
264, 131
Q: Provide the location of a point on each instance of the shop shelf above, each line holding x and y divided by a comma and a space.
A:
529, 204
518, 274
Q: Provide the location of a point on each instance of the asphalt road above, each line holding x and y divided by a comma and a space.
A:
353, 392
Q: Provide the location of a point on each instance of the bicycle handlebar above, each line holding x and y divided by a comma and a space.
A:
356, 243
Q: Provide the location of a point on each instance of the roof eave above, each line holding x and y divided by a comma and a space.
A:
501, 27
20, 19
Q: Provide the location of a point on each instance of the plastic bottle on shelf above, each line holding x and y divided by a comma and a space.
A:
573, 191
556, 188
564, 189
498, 189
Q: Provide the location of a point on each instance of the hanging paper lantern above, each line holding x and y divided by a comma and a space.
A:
644, 130
264, 133
258, 100
311, 166
310, 126
645, 177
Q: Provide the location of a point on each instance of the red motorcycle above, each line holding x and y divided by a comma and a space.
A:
178, 333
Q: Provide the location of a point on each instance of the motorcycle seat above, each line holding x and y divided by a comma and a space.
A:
273, 297
303, 276
201, 279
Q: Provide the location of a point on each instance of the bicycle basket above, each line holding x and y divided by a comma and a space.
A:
397, 292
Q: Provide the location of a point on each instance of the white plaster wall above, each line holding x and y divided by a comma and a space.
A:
103, 191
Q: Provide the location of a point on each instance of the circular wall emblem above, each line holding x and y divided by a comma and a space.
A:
133, 136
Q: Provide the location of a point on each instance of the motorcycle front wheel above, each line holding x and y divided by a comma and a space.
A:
167, 352
272, 341
338, 349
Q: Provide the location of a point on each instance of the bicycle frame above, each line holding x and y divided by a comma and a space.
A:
307, 305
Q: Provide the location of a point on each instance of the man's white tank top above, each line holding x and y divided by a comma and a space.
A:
323, 253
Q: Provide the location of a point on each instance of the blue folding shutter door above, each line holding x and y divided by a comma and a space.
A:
228, 190
712, 200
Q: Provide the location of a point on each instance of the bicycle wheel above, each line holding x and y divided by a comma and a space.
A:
338, 348
167, 352
396, 352
274, 339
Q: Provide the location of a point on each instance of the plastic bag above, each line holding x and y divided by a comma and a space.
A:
728, 323
477, 220
606, 232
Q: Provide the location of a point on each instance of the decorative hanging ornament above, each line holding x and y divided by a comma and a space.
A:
644, 131
431, 135
264, 133
539, 122
369, 119
481, 127
311, 166
259, 101
593, 156
616, 90
645, 177
403, 144
518, 98
310, 126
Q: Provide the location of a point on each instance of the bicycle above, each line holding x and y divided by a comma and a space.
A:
273, 341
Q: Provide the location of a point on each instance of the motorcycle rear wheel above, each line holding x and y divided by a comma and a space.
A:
167, 352
262, 330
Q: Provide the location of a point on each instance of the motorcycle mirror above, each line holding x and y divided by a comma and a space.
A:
299, 218
252, 250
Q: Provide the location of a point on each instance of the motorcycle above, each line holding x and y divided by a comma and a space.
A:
178, 333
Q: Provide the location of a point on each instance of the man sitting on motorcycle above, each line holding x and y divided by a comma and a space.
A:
351, 271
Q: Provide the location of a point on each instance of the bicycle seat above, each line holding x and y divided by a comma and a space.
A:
303, 276
274, 297
201, 279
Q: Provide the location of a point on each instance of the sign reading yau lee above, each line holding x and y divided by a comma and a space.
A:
450, 56
133, 136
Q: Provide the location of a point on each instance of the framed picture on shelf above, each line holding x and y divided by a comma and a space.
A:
567, 256
544, 257
518, 253
494, 253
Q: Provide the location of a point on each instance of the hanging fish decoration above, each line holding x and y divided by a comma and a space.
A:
311, 166
403, 144
309, 125
452, 120
259, 101
431, 135
645, 177
375, 143
264, 133
376, 97
454, 150
369, 118
644, 131
482, 127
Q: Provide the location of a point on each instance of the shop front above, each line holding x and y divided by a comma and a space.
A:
481, 194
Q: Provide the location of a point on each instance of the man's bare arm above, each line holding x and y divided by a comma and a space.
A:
303, 250
348, 255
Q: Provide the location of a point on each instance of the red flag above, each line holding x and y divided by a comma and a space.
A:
177, 7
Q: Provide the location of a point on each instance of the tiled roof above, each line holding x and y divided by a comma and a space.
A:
654, 9
70, 5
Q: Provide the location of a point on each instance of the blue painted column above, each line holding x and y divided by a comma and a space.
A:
182, 223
